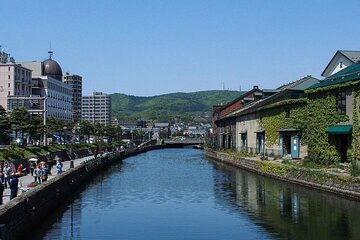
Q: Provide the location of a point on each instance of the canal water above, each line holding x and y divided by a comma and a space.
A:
178, 194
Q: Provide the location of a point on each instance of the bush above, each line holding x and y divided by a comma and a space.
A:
354, 169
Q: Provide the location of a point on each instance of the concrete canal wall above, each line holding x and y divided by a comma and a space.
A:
345, 186
30, 209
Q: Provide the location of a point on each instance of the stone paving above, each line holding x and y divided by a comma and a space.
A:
25, 180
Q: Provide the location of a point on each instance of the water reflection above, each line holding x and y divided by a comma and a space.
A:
177, 194
291, 211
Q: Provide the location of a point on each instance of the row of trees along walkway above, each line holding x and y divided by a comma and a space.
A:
23, 124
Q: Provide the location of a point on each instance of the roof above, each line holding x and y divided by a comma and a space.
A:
161, 124
298, 85
52, 69
242, 96
306, 83
270, 90
353, 56
348, 74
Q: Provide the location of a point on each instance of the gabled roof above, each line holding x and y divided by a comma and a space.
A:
299, 85
348, 74
242, 96
353, 56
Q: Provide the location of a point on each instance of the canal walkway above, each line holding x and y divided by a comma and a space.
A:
27, 179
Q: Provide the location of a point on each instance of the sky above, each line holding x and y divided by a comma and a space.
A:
154, 47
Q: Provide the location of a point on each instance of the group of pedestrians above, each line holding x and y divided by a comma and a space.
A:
9, 176
42, 170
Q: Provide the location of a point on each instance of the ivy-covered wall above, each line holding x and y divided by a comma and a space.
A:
356, 124
321, 112
311, 116
274, 118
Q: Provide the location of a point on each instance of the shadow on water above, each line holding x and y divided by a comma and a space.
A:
287, 210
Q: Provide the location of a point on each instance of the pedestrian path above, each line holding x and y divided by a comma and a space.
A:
25, 180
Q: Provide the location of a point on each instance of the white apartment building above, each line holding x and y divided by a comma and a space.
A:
97, 108
15, 81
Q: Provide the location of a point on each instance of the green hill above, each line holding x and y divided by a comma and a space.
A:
196, 106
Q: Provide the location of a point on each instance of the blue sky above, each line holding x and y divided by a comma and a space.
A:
154, 47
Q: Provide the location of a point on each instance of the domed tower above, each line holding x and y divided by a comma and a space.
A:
51, 68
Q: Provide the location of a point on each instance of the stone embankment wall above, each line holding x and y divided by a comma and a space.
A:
30, 209
346, 186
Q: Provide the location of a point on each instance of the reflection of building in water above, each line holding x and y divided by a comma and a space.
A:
257, 194
285, 209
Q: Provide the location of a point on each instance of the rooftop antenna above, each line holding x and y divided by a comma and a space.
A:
50, 52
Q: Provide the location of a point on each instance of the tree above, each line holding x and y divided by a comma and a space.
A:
36, 128
55, 125
5, 126
20, 121
98, 131
85, 129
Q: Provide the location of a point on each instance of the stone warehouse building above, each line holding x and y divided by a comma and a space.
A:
307, 118
226, 138
337, 98
251, 134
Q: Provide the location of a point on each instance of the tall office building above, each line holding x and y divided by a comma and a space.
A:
97, 108
15, 82
75, 81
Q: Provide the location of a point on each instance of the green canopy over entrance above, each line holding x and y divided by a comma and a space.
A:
339, 129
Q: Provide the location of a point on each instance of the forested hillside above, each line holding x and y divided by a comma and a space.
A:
189, 107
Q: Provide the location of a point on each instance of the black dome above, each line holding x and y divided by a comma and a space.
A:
52, 69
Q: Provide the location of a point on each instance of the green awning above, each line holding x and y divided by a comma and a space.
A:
339, 129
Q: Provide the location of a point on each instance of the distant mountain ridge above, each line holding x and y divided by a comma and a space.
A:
195, 106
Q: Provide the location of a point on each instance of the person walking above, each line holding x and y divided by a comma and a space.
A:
14, 182
37, 174
59, 167
44, 173
2, 179
32, 168
7, 174
2, 188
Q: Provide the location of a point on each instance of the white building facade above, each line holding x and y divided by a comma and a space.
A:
97, 108
15, 81
47, 84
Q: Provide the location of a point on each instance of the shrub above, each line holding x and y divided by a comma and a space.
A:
354, 168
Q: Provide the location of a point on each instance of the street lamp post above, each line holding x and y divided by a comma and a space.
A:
64, 136
44, 122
